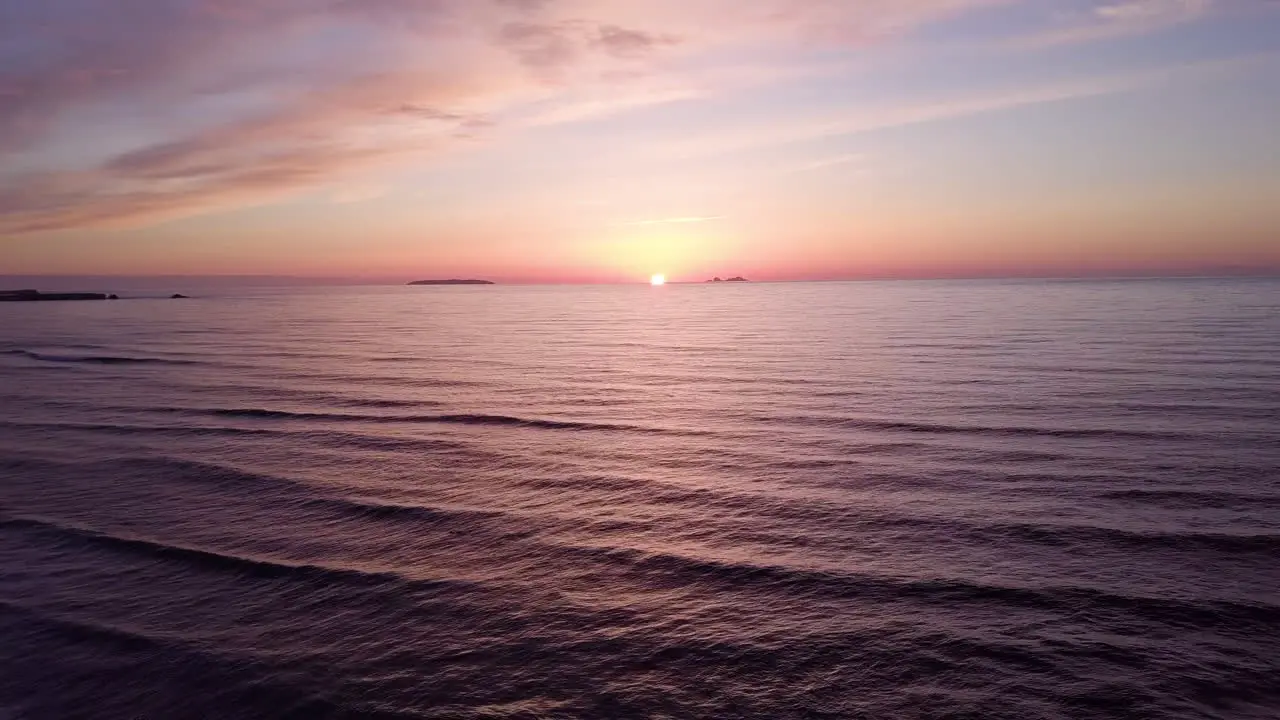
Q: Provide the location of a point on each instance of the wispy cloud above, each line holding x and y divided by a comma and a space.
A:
832, 161
287, 113
868, 119
594, 106
219, 104
262, 156
1111, 20
295, 93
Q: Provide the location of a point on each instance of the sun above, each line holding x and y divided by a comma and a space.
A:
658, 279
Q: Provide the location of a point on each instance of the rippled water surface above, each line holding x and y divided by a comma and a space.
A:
847, 500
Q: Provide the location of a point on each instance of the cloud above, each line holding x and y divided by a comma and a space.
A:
832, 161
1117, 19
550, 48
302, 119
200, 105
540, 47
869, 119
1149, 11
119, 200
263, 156
525, 5
625, 43
597, 106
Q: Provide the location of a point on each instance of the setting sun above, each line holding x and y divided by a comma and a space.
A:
658, 279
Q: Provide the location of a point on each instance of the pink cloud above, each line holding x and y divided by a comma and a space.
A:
871, 118
304, 91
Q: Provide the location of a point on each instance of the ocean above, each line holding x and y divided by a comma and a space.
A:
960, 499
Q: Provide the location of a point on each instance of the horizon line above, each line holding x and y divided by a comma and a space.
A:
396, 280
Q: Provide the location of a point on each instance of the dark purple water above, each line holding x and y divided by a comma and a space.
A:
865, 500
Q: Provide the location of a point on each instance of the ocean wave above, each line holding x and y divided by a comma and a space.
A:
143, 430
1117, 539
85, 631
381, 403
674, 570
337, 439
381, 510
99, 359
782, 515
1194, 499
277, 393
665, 569
456, 419
132, 469
284, 374
283, 492
179, 668
211, 560
772, 513
988, 430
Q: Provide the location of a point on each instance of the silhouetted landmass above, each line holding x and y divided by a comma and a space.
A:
452, 281
177, 296
35, 295
732, 279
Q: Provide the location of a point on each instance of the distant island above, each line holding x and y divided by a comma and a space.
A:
732, 279
452, 281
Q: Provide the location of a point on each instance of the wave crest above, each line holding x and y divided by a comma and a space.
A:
455, 419
99, 359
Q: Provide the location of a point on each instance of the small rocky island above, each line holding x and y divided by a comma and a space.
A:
732, 279
452, 281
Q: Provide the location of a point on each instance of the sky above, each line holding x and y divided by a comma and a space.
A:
607, 140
